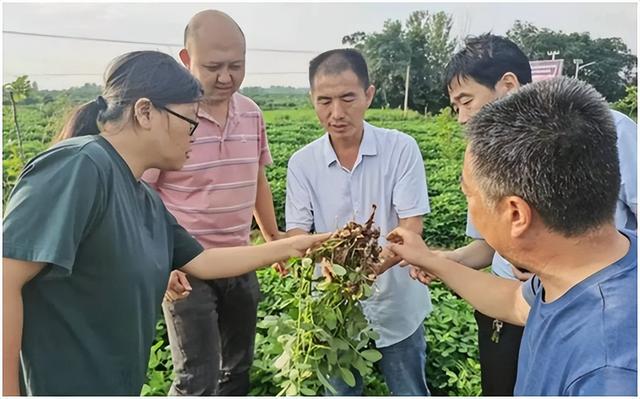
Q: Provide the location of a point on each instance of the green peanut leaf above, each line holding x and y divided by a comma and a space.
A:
324, 381
371, 355
339, 344
307, 391
282, 360
339, 270
292, 390
348, 377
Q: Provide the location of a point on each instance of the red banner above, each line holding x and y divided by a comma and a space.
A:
545, 69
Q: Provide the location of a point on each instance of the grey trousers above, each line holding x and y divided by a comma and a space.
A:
212, 335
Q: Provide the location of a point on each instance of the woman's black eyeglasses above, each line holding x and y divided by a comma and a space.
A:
194, 124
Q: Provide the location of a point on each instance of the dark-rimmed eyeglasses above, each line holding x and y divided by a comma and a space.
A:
194, 124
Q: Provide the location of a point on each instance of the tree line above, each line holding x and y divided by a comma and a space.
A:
424, 44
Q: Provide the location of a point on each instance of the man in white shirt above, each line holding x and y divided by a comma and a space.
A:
337, 178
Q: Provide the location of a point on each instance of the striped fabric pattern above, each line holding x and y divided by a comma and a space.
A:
213, 196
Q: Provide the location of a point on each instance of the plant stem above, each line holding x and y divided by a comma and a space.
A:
15, 121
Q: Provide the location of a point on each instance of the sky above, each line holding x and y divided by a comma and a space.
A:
307, 28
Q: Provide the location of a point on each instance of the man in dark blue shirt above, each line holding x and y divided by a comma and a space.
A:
541, 177
585, 341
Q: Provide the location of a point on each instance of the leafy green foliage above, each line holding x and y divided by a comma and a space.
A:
452, 364
20, 88
629, 104
37, 129
314, 333
424, 43
277, 97
615, 64
160, 371
75, 95
320, 330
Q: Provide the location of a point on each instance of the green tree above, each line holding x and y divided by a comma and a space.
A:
18, 90
387, 54
424, 43
614, 66
432, 48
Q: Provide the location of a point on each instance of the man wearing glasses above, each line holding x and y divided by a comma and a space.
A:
215, 195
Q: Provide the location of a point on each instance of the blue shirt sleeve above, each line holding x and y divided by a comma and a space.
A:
530, 289
410, 195
298, 206
627, 152
471, 229
605, 381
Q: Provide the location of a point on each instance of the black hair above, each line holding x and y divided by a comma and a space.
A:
486, 59
337, 61
129, 77
553, 144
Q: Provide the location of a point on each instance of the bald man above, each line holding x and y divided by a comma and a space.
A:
223, 184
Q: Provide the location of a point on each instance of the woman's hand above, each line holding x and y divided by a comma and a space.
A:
178, 287
298, 245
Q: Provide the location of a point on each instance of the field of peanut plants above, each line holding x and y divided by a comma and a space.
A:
452, 365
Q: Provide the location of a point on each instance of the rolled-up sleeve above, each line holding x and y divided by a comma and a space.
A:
410, 195
298, 206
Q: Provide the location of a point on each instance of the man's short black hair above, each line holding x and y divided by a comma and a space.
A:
486, 59
553, 144
337, 61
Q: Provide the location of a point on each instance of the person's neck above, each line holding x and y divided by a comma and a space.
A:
347, 148
132, 150
219, 110
562, 262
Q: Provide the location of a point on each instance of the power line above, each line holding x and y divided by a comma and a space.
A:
95, 39
55, 74
99, 74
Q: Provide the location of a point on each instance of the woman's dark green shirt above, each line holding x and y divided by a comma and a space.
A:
109, 244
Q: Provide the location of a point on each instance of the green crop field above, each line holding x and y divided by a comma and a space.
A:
452, 364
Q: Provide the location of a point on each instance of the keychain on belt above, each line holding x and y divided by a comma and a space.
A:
497, 328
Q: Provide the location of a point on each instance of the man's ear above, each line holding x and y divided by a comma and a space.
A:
518, 213
370, 93
142, 113
185, 58
507, 83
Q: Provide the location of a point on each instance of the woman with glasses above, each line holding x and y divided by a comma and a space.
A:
88, 247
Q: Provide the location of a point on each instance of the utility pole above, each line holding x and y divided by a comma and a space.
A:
579, 61
406, 91
553, 54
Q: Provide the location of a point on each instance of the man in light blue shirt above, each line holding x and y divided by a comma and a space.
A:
337, 178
